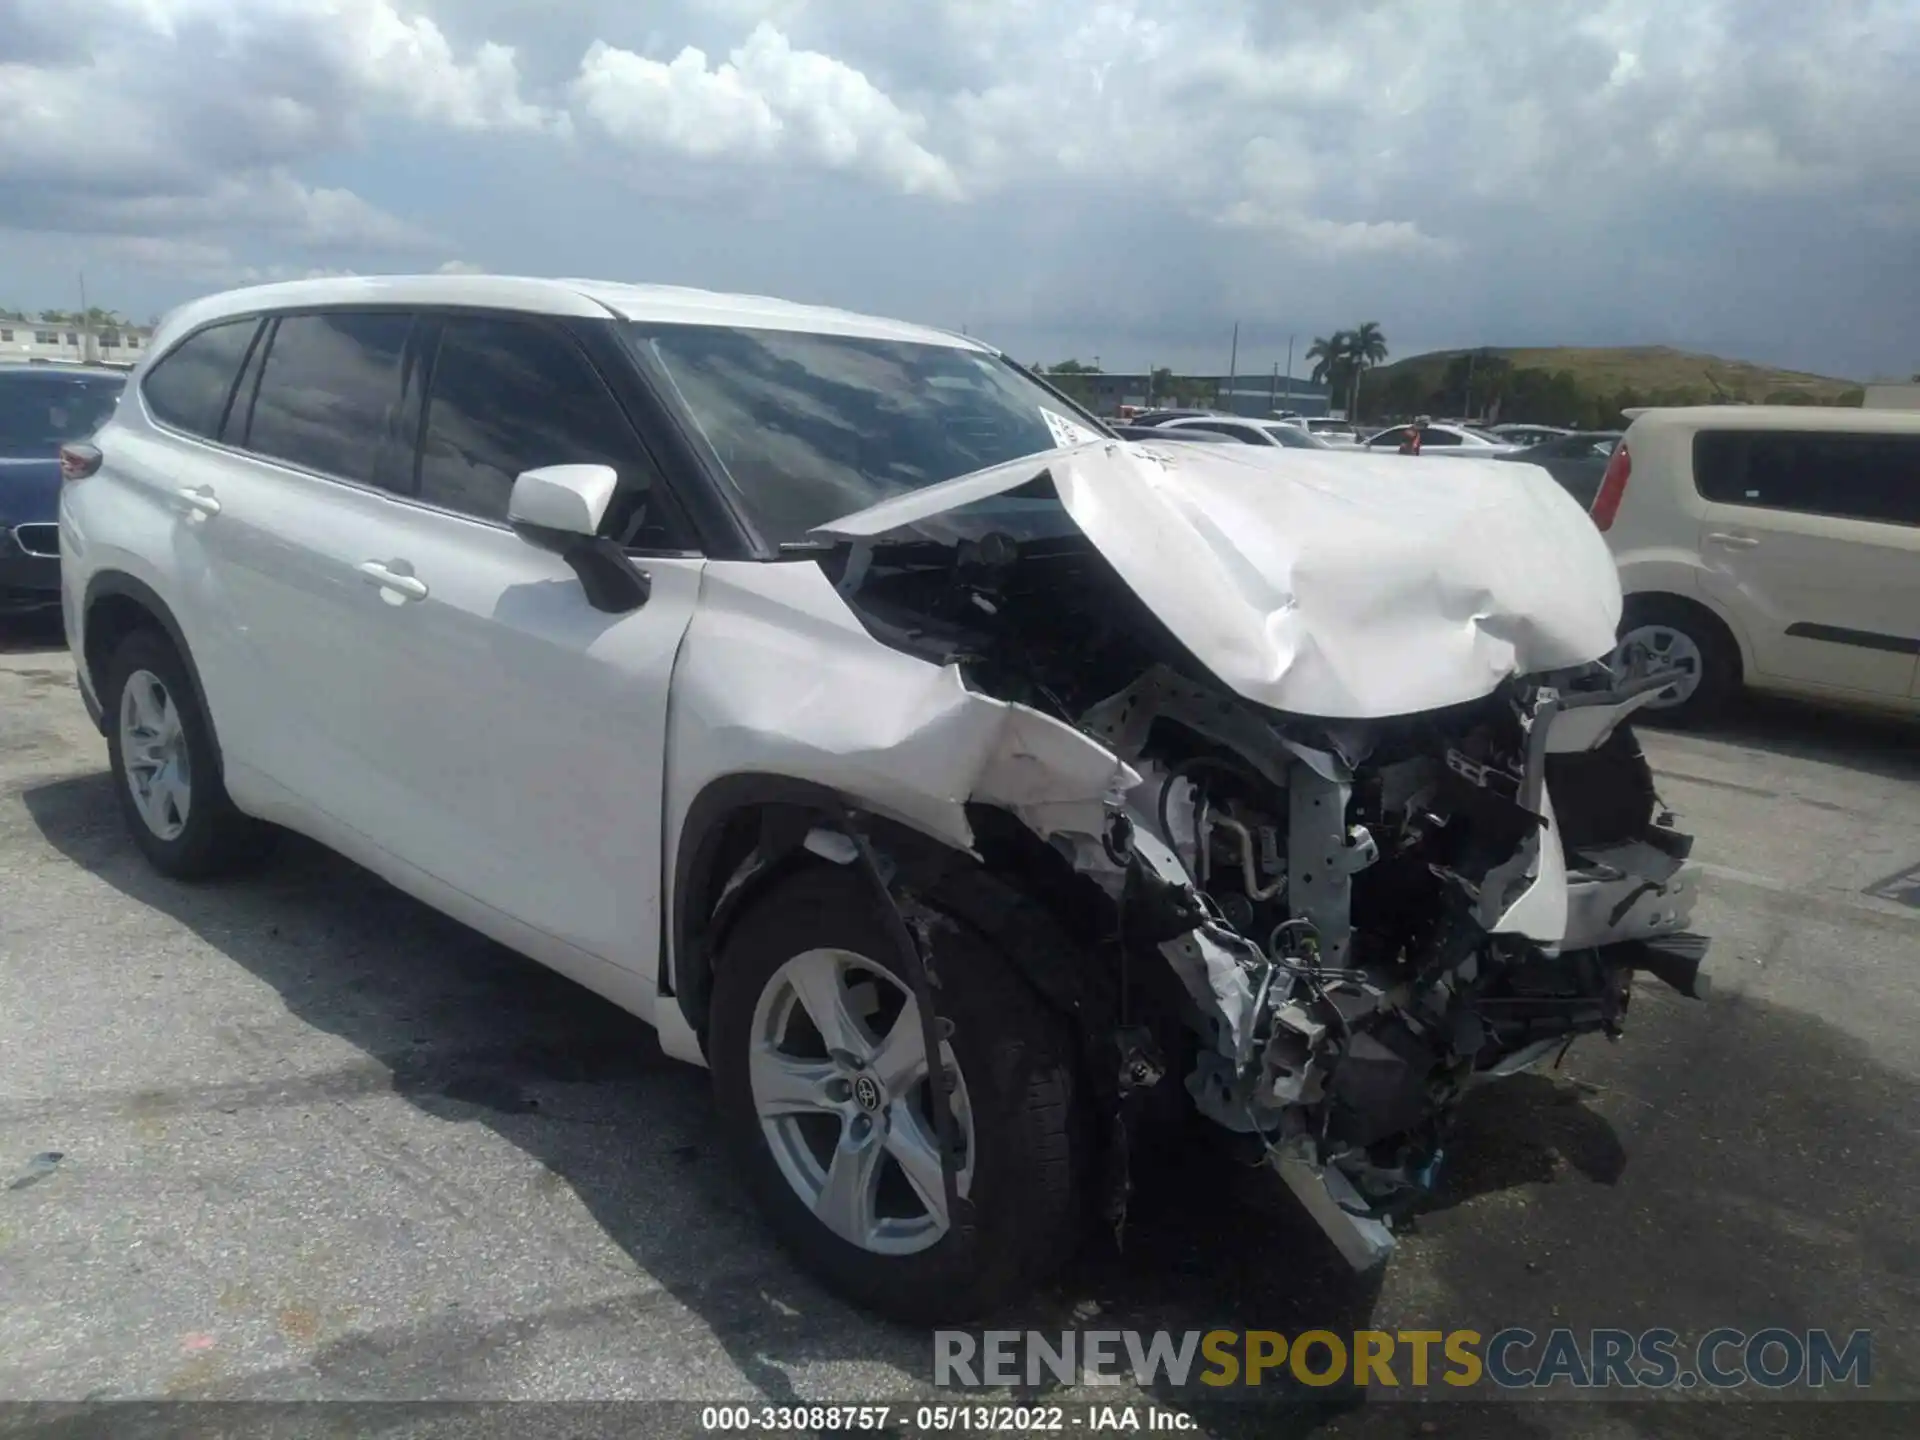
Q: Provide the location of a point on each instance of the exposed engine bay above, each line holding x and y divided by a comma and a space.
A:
1361, 918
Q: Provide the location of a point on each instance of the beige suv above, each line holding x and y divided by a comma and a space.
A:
1770, 546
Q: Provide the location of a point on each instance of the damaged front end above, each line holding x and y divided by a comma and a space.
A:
1326, 930
1367, 924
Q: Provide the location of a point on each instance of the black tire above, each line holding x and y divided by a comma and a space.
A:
216, 838
1719, 657
1016, 1060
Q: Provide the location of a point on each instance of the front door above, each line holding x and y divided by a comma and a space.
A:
521, 732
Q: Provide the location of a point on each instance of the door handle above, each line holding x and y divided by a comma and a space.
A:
409, 586
201, 500
1733, 542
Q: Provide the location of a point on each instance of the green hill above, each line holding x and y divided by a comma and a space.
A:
1585, 385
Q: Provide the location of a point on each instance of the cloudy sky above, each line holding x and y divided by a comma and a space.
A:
1120, 178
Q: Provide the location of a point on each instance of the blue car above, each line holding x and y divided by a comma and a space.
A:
42, 407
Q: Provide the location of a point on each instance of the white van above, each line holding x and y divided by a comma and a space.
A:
1771, 546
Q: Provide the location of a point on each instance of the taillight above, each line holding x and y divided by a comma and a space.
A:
77, 462
1613, 487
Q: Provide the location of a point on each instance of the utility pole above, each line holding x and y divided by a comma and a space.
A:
1233, 366
1273, 389
1289, 372
86, 330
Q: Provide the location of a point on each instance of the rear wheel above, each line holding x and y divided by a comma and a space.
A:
1660, 634
824, 1090
165, 767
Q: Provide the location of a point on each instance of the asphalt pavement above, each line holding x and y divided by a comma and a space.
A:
317, 1142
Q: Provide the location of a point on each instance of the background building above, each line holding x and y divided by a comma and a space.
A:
72, 342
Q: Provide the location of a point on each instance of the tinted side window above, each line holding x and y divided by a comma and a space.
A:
1858, 477
190, 386
1438, 437
329, 390
512, 395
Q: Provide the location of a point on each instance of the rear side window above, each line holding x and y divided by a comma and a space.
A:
190, 386
330, 390
1855, 477
511, 395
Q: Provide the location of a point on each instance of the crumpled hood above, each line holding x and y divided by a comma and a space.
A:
1348, 586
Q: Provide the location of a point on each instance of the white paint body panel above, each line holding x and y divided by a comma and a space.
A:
1344, 586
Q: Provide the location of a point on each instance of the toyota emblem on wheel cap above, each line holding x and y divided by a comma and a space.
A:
866, 1090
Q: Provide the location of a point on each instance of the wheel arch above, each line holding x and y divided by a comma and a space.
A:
116, 605
1012, 886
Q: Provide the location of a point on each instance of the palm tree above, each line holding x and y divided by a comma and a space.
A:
1329, 355
1366, 347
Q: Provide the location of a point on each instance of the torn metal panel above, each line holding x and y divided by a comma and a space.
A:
776, 675
1329, 1197
1340, 586
1630, 891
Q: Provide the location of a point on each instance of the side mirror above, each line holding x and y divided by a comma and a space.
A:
570, 499
559, 508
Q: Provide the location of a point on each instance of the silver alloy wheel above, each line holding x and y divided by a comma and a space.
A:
838, 1068
1655, 649
153, 750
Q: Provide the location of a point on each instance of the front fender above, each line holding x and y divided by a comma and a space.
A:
782, 698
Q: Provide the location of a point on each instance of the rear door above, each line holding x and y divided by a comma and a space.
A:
320, 416
516, 732
1814, 539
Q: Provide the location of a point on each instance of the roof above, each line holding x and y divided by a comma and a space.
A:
1778, 417
587, 299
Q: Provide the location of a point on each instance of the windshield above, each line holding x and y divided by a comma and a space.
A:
810, 427
41, 411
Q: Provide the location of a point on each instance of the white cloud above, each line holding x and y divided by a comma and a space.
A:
766, 101
1583, 167
187, 118
408, 62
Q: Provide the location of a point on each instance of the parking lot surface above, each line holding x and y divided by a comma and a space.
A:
315, 1141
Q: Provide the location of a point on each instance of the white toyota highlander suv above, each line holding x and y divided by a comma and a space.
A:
838, 697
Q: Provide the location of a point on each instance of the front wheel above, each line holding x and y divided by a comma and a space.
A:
1659, 635
823, 1085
